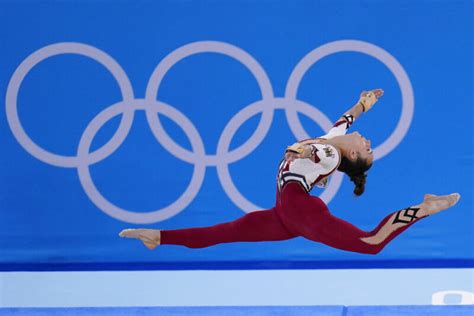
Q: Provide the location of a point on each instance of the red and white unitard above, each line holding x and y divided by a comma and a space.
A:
297, 213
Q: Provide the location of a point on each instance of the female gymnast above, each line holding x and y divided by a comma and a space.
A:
296, 213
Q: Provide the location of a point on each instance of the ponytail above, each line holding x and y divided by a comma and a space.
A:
356, 170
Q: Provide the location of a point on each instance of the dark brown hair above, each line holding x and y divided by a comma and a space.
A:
357, 172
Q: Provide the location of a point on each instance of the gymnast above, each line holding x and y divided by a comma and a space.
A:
296, 213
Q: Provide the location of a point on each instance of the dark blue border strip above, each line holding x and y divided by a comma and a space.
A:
238, 265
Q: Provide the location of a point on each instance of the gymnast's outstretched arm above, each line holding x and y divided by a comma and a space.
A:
367, 99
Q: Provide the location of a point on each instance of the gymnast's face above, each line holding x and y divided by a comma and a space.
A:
361, 147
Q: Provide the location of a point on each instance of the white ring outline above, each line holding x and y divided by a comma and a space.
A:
230, 51
408, 102
246, 113
58, 49
140, 217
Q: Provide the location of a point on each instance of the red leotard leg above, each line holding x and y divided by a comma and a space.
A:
296, 214
256, 226
308, 216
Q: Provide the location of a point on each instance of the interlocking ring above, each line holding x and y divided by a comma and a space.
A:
198, 157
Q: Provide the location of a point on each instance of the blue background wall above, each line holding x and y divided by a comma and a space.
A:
45, 215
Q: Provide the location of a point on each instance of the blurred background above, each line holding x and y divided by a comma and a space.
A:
176, 114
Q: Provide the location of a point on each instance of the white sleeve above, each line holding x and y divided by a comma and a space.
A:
326, 160
328, 156
340, 127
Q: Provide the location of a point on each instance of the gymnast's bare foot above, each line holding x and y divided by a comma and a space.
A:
151, 238
433, 204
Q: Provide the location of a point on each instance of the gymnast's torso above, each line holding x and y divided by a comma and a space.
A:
314, 171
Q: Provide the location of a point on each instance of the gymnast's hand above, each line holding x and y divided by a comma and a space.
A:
298, 151
291, 156
369, 98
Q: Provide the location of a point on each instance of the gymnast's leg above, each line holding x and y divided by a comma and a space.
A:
396, 223
308, 216
255, 226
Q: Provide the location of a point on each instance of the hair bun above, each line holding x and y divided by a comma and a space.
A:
359, 181
357, 172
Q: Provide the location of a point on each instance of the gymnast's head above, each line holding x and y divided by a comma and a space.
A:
356, 160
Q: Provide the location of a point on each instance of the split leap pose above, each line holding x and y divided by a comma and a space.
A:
296, 213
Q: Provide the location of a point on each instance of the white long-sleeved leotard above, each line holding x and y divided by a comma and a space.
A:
315, 171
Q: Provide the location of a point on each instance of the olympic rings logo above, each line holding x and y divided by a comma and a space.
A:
198, 157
